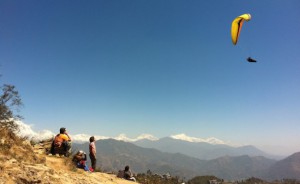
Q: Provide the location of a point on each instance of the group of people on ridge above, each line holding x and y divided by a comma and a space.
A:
62, 145
80, 157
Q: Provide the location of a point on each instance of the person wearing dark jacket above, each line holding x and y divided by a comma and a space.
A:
128, 174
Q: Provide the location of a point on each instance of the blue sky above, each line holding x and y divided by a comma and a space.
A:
157, 67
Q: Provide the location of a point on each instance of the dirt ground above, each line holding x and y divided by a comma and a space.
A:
20, 168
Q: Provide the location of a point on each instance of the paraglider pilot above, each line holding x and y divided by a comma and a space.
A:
251, 60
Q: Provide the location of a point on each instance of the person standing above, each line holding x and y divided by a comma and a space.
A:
92, 148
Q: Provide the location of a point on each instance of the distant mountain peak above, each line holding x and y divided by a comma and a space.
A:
26, 131
123, 137
81, 138
210, 140
147, 136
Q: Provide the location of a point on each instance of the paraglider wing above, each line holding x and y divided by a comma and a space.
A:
236, 26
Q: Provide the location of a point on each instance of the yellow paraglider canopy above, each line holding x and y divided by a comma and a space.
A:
236, 26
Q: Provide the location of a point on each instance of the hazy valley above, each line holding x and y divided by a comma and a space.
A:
179, 158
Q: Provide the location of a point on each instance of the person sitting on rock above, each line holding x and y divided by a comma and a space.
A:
61, 143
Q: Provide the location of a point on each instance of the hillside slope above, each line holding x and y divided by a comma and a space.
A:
114, 154
286, 168
53, 171
201, 150
22, 163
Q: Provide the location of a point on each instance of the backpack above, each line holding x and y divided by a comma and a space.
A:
57, 141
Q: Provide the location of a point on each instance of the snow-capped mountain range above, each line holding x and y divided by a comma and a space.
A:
210, 140
202, 148
26, 130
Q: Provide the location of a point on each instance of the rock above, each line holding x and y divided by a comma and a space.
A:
54, 170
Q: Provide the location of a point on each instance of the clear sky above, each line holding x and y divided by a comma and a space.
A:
161, 67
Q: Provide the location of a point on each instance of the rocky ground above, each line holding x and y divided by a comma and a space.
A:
30, 166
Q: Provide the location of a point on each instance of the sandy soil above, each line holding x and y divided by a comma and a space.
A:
53, 170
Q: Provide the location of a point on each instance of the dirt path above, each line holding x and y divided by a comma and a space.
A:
81, 176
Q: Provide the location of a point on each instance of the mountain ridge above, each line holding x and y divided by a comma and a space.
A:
27, 131
201, 150
288, 167
113, 155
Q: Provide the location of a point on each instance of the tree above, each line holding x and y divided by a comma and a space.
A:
203, 180
10, 102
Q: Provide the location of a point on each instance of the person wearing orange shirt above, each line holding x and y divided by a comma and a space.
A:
62, 141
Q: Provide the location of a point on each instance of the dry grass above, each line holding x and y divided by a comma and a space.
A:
17, 148
23, 165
